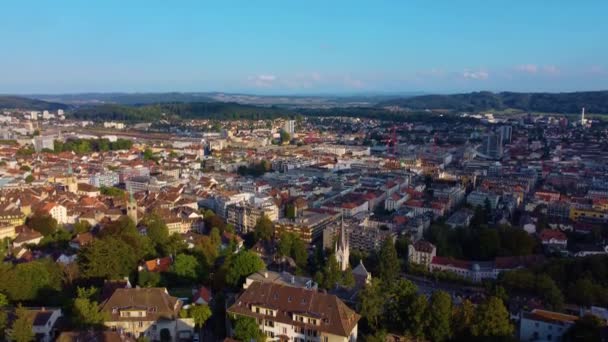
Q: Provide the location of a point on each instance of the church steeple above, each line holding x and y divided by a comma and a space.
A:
342, 248
132, 208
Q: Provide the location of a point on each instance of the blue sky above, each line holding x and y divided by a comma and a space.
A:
302, 47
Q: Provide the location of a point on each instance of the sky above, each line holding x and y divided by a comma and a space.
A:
302, 47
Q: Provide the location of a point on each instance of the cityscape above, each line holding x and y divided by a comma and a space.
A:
321, 206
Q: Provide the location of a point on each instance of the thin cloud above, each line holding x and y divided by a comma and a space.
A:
264, 80
550, 69
527, 68
475, 75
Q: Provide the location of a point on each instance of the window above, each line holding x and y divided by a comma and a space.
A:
140, 324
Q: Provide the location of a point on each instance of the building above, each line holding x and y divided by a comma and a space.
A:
105, 178
137, 184
282, 278
551, 238
421, 252
342, 253
44, 142
492, 145
461, 218
244, 215
296, 314
56, 211
506, 132
542, 325
478, 198
145, 312
289, 126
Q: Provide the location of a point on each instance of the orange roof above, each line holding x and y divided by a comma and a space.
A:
159, 264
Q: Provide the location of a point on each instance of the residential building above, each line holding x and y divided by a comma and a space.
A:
421, 252
145, 312
542, 325
297, 314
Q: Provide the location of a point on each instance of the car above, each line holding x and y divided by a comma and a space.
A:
196, 338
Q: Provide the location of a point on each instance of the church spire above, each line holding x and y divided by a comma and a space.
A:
342, 248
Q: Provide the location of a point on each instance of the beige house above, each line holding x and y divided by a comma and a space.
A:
140, 312
289, 313
421, 252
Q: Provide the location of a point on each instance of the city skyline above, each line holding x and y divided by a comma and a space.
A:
312, 48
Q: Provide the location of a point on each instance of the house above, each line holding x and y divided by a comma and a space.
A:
552, 238
202, 296
145, 312
157, 265
421, 252
296, 314
44, 322
56, 211
542, 325
27, 236
282, 278
81, 240
361, 275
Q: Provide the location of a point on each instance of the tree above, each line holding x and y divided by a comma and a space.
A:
246, 329
21, 331
264, 228
3, 315
285, 137
439, 316
35, 280
399, 296
186, 267
491, 320
463, 319
208, 250
81, 227
109, 257
416, 316
29, 178
42, 223
348, 279
371, 303
388, 268
241, 265
148, 279
200, 314
157, 231
86, 313
585, 329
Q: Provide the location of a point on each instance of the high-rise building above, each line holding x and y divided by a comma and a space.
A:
492, 145
289, 126
506, 132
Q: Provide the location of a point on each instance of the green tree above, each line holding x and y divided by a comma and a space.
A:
86, 313
491, 320
3, 315
186, 267
21, 331
241, 265
463, 319
42, 223
439, 316
371, 303
109, 257
35, 280
157, 231
388, 269
285, 137
29, 179
348, 279
81, 227
246, 329
200, 314
148, 279
416, 314
264, 228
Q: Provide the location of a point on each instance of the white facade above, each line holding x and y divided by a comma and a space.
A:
541, 325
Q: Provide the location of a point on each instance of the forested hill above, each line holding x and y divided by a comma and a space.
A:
14, 102
198, 110
594, 102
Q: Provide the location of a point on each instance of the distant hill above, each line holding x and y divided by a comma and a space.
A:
14, 102
198, 110
594, 102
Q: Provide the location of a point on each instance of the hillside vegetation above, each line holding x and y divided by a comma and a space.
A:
17, 102
593, 101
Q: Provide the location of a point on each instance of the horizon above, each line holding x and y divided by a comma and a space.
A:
278, 48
